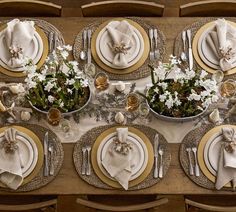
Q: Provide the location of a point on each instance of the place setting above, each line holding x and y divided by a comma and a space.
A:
126, 157
122, 47
210, 44
24, 40
31, 157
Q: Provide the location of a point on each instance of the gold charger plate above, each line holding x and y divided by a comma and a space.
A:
125, 70
109, 181
200, 152
41, 61
40, 152
195, 49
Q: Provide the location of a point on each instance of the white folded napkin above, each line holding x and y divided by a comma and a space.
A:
10, 166
119, 165
227, 160
226, 34
18, 36
121, 33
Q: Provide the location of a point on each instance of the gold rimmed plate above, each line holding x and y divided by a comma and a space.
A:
110, 181
195, 48
200, 154
7, 71
39, 146
130, 69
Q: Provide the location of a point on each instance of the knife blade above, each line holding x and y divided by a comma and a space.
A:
156, 145
45, 147
89, 46
190, 52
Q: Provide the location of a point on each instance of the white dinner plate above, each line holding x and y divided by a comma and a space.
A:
212, 151
106, 55
141, 154
28, 152
205, 53
34, 52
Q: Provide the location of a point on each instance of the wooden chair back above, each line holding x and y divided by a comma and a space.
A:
136, 207
208, 8
118, 8
29, 8
32, 206
191, 205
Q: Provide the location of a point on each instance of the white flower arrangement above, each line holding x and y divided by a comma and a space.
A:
59, 83
180, 93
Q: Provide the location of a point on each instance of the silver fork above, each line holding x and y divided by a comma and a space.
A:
188, 149
88, 168
161, 152
151, 54
183, 54
197, 173
83, 171
51, 151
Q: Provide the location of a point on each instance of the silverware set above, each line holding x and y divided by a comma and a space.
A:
193, 162
52, 39
86, 163
48, 156
153, 38
187, 55
158, 151
85, 54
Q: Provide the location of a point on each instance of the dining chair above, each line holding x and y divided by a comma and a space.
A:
210, 203
29, 8
117, 8
134, 207
48, 205
208, 8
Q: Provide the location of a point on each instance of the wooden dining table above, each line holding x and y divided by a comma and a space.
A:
68, 182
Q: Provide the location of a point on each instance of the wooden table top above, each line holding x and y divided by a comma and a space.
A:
68, 181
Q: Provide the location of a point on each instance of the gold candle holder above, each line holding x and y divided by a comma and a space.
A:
101, 81
54, 116
228, 88
132, 102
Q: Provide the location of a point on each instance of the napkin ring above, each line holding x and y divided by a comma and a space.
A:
16, 52
227, 54
122, 147
9, 146
120, 48
230, 147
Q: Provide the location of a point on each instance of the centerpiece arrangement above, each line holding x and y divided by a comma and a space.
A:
180, 94
58, 84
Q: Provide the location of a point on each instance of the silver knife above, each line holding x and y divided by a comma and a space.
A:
156, 144
89, 46
190, 53
45, 147
55, 41
50, 38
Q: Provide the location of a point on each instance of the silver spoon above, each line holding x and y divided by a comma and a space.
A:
83, 53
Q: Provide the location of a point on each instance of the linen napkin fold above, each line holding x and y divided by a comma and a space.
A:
227, 159
10, 167
224, 47
119, 165
18, 36
121, 33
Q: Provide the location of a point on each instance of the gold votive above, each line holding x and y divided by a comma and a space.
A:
54, 116
228, 88
132, 102
101, 81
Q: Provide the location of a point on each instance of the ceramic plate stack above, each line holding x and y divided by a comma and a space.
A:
103, 54
209, 150
30, 150
37, 51
202, 51
143, 159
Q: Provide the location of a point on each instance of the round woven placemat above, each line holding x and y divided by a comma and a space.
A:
141, 72
190, 140
40, 180
47, 28
89, 138
178, 45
